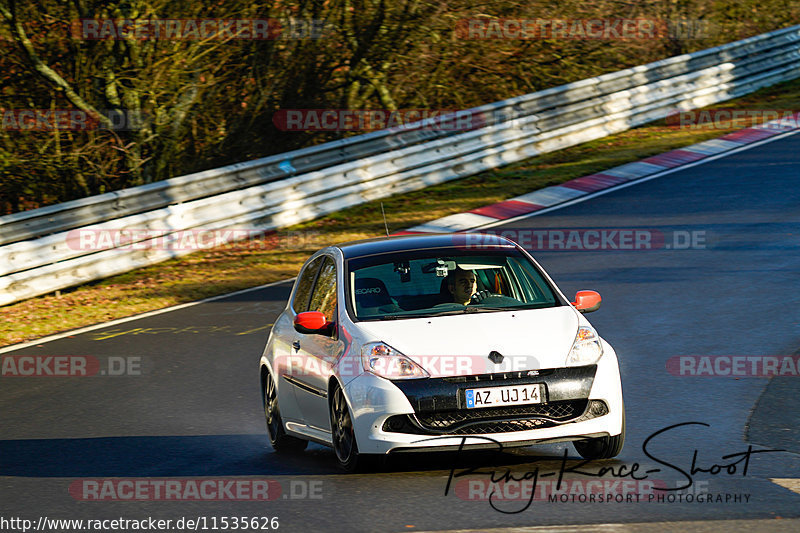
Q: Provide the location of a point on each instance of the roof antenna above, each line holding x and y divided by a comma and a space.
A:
385, 225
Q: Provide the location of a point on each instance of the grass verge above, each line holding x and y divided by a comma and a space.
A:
241, 265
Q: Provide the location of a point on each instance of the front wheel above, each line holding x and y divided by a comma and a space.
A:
280, 441
603, 447
343, 437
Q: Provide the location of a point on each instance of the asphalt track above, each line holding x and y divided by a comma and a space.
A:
190, 409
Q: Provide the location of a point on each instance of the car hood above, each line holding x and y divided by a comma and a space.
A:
461, 344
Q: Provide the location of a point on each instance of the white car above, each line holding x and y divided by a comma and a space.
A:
437, 342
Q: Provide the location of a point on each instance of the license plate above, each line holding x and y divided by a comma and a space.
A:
500, 396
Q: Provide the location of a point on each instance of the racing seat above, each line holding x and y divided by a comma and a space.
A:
372, 297
444, 292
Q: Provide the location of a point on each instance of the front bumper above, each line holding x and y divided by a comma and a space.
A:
429, 414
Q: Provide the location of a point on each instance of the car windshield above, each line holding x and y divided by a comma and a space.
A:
437, 282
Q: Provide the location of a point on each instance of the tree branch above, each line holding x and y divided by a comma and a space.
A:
50, 75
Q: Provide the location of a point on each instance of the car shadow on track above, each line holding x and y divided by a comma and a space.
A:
201, 455
220, 455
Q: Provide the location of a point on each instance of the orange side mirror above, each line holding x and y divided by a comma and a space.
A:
587, 301
312, 322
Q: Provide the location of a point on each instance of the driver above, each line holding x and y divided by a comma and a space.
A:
462, 286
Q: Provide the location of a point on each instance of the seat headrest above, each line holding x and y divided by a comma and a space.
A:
371, 292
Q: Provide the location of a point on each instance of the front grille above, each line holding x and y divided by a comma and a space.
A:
503, 426
555, 411
496, 420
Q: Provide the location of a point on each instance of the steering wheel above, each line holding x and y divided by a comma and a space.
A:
480, 296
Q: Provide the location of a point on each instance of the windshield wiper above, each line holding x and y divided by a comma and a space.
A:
442, 313
464, 311
484, 308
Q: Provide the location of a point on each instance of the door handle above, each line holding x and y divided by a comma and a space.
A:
296, 346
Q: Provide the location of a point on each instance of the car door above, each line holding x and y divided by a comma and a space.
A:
286, 361
318, 353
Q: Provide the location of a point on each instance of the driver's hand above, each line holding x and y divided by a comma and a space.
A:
478, 297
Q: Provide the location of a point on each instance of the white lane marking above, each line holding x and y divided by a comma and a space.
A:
712, 146
549, 195
102, 325
793, 484
640, 180
459, 221
87, 329
634, 170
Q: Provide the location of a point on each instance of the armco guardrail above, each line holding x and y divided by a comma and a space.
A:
38, 222
39, 254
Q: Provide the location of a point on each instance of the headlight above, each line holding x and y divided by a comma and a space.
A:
383, 360
586, 349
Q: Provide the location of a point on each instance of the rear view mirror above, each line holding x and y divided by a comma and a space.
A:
587, 301
313, 323
441, 267
405, 271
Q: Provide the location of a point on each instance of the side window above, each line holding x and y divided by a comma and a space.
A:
534, 288
304, 284
324, 296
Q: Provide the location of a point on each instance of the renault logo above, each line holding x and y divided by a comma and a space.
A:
496, 357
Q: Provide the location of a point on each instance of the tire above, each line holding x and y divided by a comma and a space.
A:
603, 447
343, 437
280, 441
